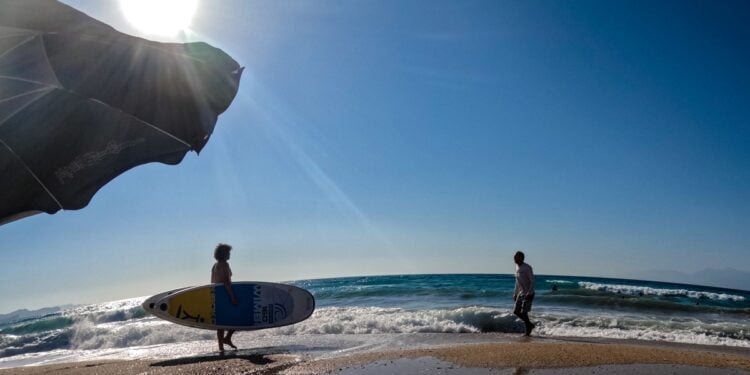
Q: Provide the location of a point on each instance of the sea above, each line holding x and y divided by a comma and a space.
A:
369, 313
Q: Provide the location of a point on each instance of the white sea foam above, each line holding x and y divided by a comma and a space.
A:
619, 330
623, 325
559, 281
369, 320
643, 290
89, 335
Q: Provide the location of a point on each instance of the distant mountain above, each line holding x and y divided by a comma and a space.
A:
724, 278
24, 314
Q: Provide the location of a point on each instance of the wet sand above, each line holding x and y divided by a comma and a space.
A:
209, 364
521, 357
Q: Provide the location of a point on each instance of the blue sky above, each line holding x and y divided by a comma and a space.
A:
384, 137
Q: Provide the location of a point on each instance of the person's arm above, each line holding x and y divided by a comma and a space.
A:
531, 280
232, 298
525, 278
515, 290
227, 277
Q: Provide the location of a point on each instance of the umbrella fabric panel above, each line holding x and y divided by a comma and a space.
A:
14, 200
170, 90
26, 60
91, 145
47, 16
80, 103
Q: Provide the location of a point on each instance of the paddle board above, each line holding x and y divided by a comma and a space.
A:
259, 305
150, 303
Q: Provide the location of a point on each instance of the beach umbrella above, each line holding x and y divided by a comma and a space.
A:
81, 103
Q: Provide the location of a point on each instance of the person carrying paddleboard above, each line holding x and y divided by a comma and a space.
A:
221, 273
523, 294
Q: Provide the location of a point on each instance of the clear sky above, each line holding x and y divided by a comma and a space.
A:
604, 138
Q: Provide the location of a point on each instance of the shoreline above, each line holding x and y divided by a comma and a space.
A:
528, 355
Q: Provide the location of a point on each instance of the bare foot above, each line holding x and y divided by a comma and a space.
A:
229, 342
530, 328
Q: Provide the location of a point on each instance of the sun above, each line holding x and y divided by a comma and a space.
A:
159, 17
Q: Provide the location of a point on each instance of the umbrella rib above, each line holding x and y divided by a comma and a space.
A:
50, 88
33, 174
59, 86
33, 81
20, 160
143, 122
108, 106
21, 108
18, 45
46, 59
24, 94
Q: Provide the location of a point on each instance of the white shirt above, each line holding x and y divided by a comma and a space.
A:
524, 280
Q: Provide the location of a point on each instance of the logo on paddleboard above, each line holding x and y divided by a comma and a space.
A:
267, 313
184, 315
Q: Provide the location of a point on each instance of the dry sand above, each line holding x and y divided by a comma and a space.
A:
522, 357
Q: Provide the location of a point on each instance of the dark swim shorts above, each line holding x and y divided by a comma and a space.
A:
523, 304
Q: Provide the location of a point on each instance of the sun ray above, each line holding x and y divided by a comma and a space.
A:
287, 130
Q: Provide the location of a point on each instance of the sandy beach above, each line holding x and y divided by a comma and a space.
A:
524, 356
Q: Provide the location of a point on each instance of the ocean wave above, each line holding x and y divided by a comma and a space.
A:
352, 294
86, 335
662, 292
605, 302
373, 320
48, 323
590, 308
124, 323
475, 319
105, 307
21, 344
116, 324
678, 331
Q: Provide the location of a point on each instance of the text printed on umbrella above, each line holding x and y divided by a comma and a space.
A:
92, 158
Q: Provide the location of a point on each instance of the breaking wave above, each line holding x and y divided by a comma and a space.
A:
635, 290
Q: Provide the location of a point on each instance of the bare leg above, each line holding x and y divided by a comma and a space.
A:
526, 322
521, 311
220, 337
523, 316
228, 339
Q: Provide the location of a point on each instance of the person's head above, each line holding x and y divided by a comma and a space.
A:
221, 253
519, 257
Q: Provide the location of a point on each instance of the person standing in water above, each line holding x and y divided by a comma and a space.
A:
221, 273
523, 294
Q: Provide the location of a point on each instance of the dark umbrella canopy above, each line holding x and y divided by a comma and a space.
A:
81, 103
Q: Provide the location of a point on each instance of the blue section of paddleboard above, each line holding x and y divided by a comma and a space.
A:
234, 315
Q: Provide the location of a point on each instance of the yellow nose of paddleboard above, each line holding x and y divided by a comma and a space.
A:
196, 305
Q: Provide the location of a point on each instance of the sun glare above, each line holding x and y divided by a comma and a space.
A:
159, 17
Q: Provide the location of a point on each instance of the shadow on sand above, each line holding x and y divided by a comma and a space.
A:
255, 356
